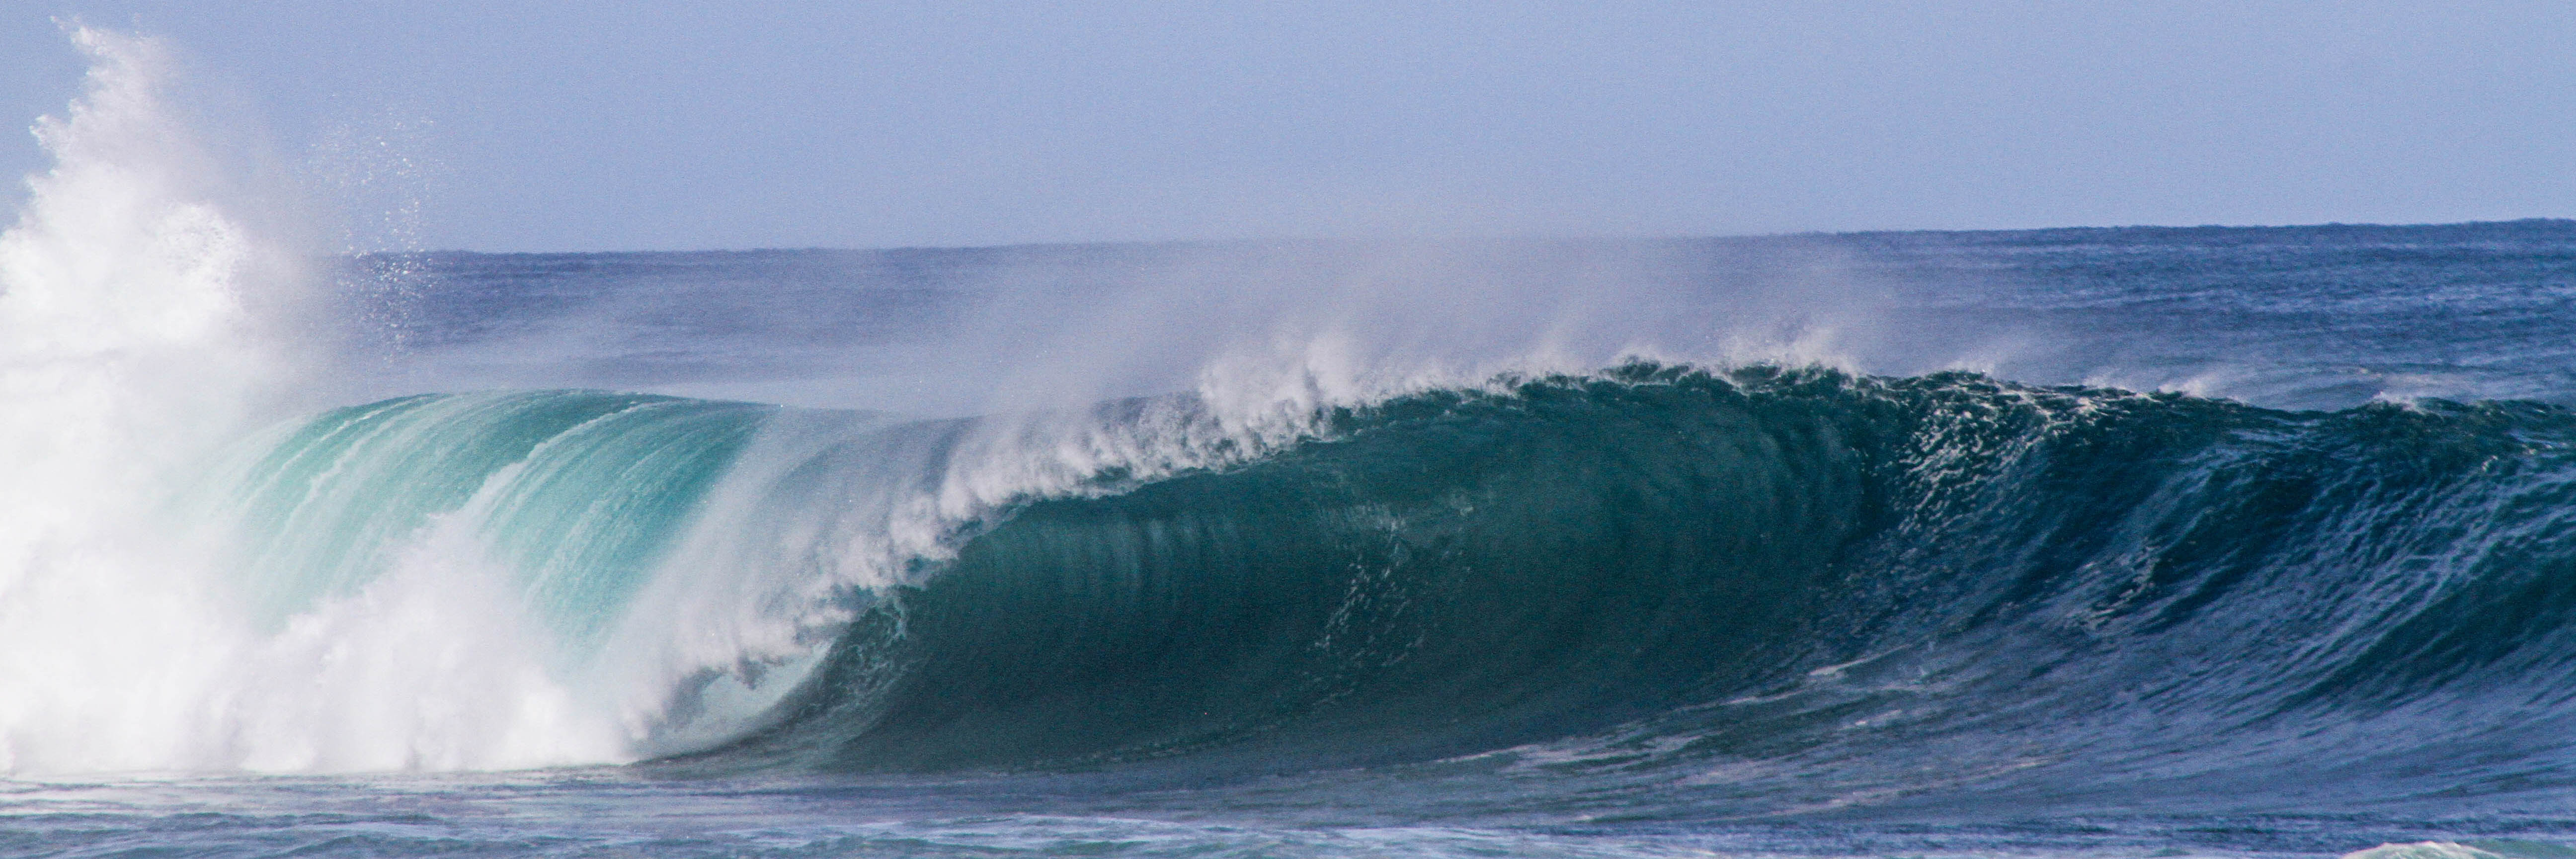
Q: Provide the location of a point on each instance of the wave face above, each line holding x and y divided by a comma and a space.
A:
582, 493
1450, 572
1760, 583
1656, 571
1663, 569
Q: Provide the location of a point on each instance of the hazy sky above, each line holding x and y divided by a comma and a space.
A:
538, 125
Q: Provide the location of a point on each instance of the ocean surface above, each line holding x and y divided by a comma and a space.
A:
2209, 541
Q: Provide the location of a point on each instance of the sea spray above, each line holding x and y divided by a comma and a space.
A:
140, 335
125, 353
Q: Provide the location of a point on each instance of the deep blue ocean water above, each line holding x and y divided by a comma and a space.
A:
2100, 542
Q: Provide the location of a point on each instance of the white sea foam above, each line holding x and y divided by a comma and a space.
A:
141, 331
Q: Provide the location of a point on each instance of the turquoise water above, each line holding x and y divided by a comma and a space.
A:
2082, 542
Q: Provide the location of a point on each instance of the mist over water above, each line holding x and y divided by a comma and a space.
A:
978, 331
1852, 544
2327, 317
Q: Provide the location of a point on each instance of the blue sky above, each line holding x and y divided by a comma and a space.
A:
597, 126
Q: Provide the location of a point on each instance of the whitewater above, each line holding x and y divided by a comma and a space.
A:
2096, 542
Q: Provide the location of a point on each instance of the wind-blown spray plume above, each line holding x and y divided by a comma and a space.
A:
136, 342
125, 350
